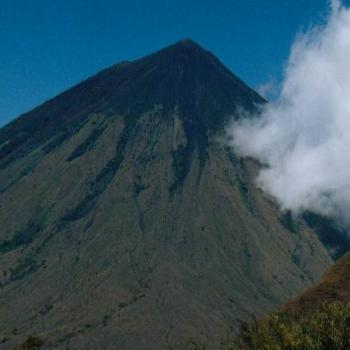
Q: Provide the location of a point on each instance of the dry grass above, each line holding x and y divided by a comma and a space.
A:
327, 327
334, 287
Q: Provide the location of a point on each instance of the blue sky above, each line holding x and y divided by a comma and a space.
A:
47, 46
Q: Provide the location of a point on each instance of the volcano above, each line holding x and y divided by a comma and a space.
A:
127, 223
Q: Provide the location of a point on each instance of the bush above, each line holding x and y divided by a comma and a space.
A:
327, 328
32, 343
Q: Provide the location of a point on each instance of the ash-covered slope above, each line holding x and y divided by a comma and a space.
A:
127, 224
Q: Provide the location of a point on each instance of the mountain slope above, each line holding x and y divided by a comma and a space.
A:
126, 223
333, 287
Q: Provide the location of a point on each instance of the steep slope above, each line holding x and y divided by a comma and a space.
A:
127, 224
333, 287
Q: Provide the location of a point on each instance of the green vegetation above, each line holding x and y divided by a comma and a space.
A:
32, 343
328, 327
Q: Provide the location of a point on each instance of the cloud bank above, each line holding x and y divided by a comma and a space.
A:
303, 138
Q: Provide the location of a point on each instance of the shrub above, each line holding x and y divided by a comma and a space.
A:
326, 328
32, 343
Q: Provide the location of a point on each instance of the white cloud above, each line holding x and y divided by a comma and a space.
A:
304, 136
269, 89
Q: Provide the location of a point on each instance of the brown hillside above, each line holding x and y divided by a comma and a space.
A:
334, 287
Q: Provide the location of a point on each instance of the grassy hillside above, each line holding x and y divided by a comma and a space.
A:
327, 327
318, 319
334, 287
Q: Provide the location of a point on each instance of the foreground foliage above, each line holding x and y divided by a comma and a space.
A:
32, 343
326, 328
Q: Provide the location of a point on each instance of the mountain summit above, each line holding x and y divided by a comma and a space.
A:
183, 76
126, 224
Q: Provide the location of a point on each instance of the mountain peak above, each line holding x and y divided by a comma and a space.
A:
182, 51
187, 43
183, 76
